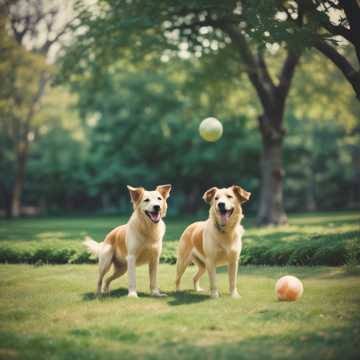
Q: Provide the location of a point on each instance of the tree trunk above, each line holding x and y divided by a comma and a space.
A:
8, 208
352, 12
271, 209
351, 74
21, 159
6, 196
310, 200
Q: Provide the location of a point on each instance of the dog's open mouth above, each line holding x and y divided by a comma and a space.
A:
153, 215
225, 215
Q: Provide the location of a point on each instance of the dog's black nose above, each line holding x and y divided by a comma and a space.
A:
156, 207
221, 206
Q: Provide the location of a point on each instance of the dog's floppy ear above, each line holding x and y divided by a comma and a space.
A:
135, 193
164, 190
209, 194
241, 194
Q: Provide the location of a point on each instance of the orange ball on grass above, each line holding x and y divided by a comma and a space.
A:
289, 288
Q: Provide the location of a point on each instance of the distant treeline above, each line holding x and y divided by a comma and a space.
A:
139, 131
131, 142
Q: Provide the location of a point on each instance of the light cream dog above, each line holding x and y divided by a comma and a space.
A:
136, 243
216, 241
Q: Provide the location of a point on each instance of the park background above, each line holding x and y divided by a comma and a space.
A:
96, 95
85, 116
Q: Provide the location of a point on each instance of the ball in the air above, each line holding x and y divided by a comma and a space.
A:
289, 288
211, 129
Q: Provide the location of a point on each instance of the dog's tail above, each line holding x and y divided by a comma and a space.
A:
92, 246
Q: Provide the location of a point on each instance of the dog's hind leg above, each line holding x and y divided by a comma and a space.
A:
105, 260
183, 257
181, 265
201, 270
120, 268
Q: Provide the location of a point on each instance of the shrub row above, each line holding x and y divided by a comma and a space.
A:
316, 250
44, 255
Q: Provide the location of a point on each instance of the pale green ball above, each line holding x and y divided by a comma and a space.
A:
211, 129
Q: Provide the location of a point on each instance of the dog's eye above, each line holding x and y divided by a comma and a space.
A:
216, 198
146, 200
159, 198
229, 196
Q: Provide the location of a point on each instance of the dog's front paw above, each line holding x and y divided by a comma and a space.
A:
214, 294
235, 295
157, 293
106, 291
132, 294
199, 289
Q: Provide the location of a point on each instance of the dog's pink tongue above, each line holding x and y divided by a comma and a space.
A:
155, 216
224, 217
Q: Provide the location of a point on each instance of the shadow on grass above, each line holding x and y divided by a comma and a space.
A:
118, 293
186, 297
174, 298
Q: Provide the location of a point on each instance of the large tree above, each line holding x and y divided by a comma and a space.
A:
179, 28
339, 19
22, 85
330, 26
29, 31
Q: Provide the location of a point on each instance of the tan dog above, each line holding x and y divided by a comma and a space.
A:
216, 241
136, 243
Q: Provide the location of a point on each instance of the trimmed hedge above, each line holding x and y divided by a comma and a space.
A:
315, 250
44, 255
330, 250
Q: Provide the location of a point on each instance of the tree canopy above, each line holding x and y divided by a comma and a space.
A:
137, 79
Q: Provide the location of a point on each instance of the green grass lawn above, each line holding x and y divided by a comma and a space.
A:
311, 239
50, 312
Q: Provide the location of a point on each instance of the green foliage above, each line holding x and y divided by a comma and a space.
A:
352, 256
20, 77
137, 123
141, 128
139, 119
56, 167
320, 165
111, 29
23, 77
43, 255
20, 73
320, 85
145, 126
